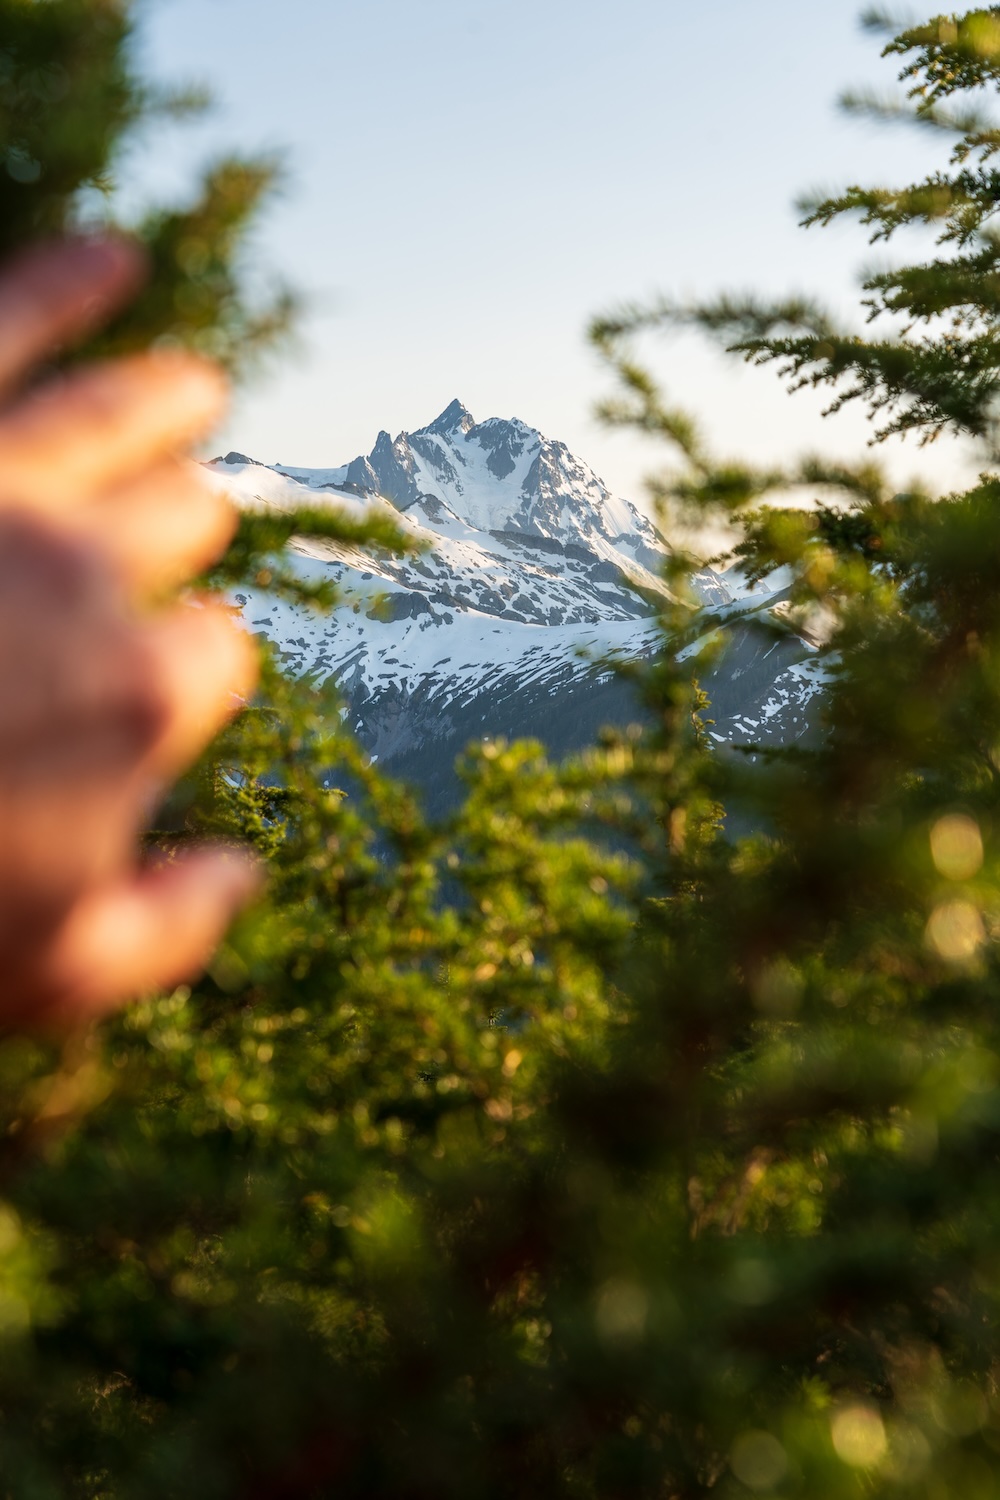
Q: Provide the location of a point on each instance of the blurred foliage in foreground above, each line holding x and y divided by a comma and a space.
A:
488, 1163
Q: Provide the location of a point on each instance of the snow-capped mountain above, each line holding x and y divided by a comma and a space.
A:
534, 575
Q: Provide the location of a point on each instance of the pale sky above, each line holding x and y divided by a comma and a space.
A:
470, 180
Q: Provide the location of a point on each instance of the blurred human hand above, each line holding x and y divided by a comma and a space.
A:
104, 696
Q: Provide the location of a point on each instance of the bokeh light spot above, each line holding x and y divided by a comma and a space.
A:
955, 930
621, 1313
758, 1460
957, 846
858, 1434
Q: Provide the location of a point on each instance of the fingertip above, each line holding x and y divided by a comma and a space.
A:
234, 645
164, 528
194, 377
234, 872
55, 292
157, 928
107, 424
207, 667
117, 261
183, 905
236, 652
71, 284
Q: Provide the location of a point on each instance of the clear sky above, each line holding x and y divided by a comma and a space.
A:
470, 180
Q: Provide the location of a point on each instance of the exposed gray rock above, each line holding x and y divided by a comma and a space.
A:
536, 574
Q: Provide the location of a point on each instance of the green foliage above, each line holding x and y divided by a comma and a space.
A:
257, 554
937, 371
574, 1148
69, 100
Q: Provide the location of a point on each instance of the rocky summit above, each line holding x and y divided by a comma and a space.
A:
536, 578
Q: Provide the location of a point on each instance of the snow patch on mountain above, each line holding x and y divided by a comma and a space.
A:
534, 574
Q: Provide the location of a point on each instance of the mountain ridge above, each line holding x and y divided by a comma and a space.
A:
535, 577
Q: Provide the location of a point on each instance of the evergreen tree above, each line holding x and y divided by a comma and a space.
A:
575, 1148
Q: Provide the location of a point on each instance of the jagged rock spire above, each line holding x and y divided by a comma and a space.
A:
454, 416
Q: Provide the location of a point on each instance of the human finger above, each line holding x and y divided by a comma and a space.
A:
54, 293
152, 929
163, 527
97, 428
74, 668
206, 668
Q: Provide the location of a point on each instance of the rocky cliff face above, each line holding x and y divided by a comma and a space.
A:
535, 577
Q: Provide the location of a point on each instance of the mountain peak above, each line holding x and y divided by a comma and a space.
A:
454, 417
237, 458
